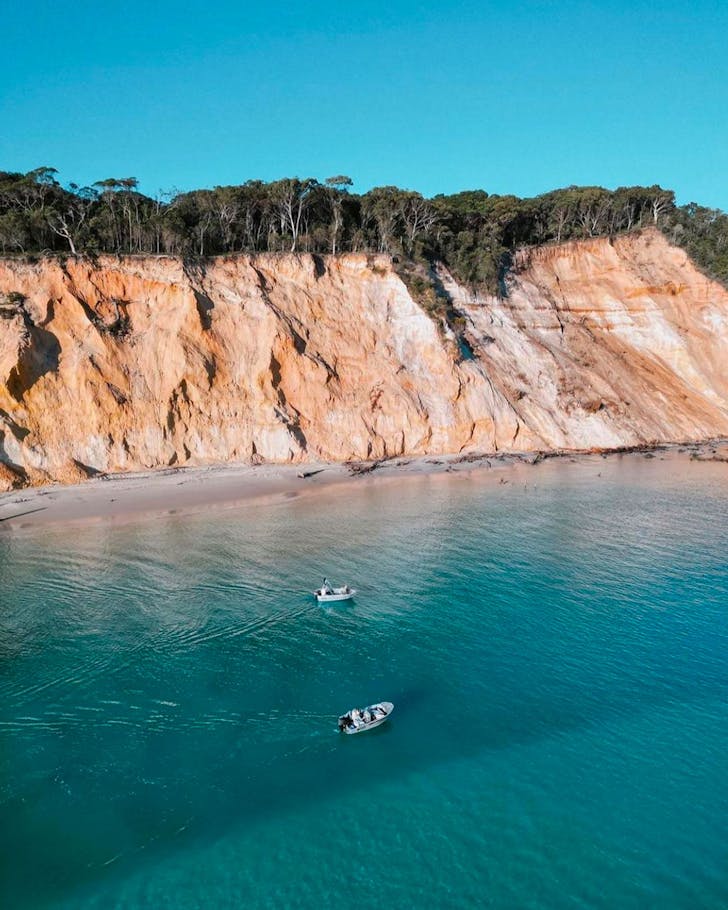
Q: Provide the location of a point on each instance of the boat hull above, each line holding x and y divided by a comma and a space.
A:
388, 707
333, 598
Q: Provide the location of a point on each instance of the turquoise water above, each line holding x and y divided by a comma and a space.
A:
556, 647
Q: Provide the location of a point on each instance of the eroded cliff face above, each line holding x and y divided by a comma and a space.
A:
147, 362
606, 343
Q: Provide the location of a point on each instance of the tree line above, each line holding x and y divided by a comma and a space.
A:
472, 232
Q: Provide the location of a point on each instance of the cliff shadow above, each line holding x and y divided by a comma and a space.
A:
20, 433
204, 309
40, 355
453, 317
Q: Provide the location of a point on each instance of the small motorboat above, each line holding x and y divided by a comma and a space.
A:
360, 719
328, 594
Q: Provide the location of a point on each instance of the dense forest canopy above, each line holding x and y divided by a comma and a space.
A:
472, 232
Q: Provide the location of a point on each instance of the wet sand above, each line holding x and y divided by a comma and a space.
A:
123, 497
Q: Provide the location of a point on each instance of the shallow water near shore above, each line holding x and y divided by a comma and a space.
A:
556, 648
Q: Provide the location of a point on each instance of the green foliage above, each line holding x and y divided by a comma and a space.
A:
426, 289
472, 232
703, 233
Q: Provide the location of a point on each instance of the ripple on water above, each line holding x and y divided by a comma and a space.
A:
557, 656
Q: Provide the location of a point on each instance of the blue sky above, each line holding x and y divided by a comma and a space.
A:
514, 97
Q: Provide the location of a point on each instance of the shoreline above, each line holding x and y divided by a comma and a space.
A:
193, 490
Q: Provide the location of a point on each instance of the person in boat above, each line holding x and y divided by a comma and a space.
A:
326, 587
356, 717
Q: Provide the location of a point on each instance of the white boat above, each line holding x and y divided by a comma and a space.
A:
327, 594
355, 721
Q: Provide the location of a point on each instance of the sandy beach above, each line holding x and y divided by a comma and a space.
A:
132, 496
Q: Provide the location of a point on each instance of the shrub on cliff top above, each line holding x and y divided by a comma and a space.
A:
472, 232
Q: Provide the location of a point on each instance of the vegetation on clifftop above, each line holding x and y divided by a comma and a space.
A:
472, 232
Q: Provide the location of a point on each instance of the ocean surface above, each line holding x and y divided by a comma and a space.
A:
556, 647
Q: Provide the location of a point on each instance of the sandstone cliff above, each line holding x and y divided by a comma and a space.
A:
133, 363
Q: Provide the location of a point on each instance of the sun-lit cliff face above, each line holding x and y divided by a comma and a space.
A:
607, 343
148, 362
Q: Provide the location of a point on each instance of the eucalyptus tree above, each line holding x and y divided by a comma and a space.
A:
30, 196
225, 207
68, 219
336, 189
14, 237
107, 222
661, 201
291, 198
381, 207
418, 216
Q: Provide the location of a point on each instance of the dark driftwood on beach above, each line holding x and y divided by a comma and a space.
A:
363, 467
20, 514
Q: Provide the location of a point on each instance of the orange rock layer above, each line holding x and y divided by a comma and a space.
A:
136, 363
